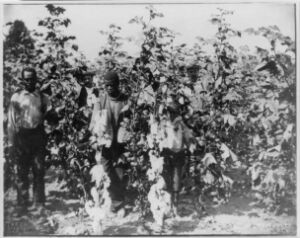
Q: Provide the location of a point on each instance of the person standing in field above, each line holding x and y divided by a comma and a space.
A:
179, 137
27, 138
111, 108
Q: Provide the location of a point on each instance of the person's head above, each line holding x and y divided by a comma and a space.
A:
29, 78
88, 80
111, 81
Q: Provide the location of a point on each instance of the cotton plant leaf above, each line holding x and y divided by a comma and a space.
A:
287, 135
230, 119
227, 153
208, 159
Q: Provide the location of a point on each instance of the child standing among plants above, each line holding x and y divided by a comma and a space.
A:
178, 137
108, 113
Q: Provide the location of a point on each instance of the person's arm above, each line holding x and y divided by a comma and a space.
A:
12, 120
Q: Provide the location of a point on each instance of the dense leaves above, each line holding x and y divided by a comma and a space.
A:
238, 107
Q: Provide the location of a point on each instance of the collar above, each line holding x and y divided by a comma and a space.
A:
34, 93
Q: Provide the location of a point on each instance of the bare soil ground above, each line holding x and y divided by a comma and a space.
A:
237, 217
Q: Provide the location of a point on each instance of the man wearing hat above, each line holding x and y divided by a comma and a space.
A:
27, 111
112, 104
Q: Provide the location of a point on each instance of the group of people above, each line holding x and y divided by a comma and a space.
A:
28, 110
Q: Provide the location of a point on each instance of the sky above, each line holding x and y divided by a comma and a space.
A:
189, 20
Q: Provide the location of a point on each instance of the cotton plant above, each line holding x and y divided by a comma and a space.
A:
99, 208
155, 134
102, 133
161, 133
158, 197
267, 182
211, 176
169, 135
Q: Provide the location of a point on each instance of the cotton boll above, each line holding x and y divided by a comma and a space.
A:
164, 89
181, 100
97, 215
151, 175
160, 201
156, 163
100, 208
98, 157
162, 79
160, 184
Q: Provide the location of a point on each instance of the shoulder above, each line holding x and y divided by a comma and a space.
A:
16, 96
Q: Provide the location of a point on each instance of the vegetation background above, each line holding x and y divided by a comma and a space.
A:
240, 105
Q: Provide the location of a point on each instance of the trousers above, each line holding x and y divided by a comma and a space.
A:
109, 161
29, 150
174, 162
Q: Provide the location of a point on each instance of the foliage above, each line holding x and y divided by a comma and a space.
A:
239, 107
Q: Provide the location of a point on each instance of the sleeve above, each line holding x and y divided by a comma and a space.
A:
12, 119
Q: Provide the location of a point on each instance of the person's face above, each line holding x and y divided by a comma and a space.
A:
111, 87
88, 81
29, 81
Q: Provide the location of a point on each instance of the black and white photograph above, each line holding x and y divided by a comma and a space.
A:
149, 118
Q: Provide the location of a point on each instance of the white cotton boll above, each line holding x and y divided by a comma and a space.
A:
157, 163
93, 139
151, 175
208, 178
99, 175
161, 184
160, 109
104, 140
231, 120
100, 208
101, 129
226, 153
288, 133
97, 215
225, 150
98, 157
162, 79
150, 141
181, 100
160, 201
190, 111
54, 151
95, 196
169, 100
192, 148
256, 140
164, 89
187, 92
106, 206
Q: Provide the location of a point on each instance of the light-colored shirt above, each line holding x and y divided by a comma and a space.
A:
112, 109
27, 110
